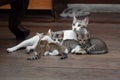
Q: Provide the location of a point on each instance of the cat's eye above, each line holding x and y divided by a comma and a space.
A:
54, 39
84, 40
70, 12
73, 24
79, 25
80, 40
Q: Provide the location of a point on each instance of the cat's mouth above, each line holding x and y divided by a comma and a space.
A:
74, 29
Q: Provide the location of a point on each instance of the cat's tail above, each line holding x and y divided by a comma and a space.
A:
97, 52
91, 50
36, 57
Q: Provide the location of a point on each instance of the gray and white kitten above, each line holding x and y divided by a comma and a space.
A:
45, 48
90, 45
73, 46
94, 46
68, 39
80, 27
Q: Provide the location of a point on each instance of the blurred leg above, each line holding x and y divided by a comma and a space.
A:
18, 8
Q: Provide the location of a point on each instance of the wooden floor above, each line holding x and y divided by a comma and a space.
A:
14, 66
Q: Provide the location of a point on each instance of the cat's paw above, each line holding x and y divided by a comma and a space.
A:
63, 57
81, 52
54, 53
46, 53
73, 51
28, 49
9, 50
76, 49
36, 57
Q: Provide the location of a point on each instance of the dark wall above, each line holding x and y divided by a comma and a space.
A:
95, 1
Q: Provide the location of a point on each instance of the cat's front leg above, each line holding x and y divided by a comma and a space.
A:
29, 49
78, 50
46, 53
32, 47
35, 57
54, 53
82, 51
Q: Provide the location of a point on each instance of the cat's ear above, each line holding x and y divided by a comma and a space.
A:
49, 33
40, 34
85, 21
37, 33
61, 35
74, 19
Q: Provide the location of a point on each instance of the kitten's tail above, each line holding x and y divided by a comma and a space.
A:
97, 52
36, 57
91, 50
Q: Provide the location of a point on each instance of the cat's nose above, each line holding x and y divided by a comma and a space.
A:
74, 29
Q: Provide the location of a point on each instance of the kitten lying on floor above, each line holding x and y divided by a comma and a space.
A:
94, 46
90, 45
30, 44
69, 41
73, 46
36, 42
49, 49
70, 38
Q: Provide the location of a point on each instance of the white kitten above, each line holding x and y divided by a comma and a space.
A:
28, 44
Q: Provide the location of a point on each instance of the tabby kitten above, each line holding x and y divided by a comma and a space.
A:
73, 46
80, 27
90, 45
94, 46
43, 47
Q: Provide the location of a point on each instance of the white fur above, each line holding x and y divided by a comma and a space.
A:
78, 49
69, 34
28, 44
35, 53
66, 51
79, 24
54, 53
31, 43
46, 53
48, 38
